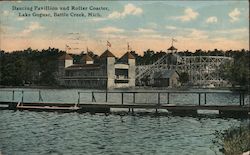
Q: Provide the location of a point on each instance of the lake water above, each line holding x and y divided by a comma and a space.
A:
24, 132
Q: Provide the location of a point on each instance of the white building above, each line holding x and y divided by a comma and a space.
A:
108, 73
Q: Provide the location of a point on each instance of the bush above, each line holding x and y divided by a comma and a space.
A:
233, 141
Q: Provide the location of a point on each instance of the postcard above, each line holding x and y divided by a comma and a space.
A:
124, 77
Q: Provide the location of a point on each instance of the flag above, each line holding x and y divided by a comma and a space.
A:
67, 47
129, 47
174, 40
108, 44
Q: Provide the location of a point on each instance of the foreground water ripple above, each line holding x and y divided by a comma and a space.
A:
72, 133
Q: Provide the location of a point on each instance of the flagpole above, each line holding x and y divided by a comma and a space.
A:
107, 46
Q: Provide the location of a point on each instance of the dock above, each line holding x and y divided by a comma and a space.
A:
237, 110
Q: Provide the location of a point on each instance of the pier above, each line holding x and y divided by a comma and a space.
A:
105, 106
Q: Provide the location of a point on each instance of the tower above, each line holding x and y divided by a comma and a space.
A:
130, 60
86, 59
108, 65
172, 49
64, 61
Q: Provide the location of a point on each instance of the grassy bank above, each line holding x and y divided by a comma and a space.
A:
233, 141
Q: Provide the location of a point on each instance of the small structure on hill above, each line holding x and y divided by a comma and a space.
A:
109, 72
172, 49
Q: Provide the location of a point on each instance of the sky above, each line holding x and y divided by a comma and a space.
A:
141, 24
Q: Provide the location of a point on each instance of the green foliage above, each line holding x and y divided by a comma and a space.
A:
238, 72
149, 57
233, 141
32, 66
29, 67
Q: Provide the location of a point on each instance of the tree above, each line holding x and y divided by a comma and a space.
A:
237, 72
183, 77
20, 67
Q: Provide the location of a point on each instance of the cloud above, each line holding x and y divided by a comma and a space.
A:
212, 19
152, 36
240, 30
110, 29
115, 36
20, 18
152, 25
2, 29
171, 27
234, 15
196, 34
6, 13
115, 14
32, 27
243, 30
189, 15
143, 30
129, 9
97, 19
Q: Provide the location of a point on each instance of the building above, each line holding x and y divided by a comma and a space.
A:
105, 73
172, 49
166, 78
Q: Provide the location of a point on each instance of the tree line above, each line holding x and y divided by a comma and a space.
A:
29, 67
39, 67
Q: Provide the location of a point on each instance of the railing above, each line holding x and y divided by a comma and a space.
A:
93, 99
149, 70
22, 93
93, 93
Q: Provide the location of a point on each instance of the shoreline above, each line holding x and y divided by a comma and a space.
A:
125, 89
33, 87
